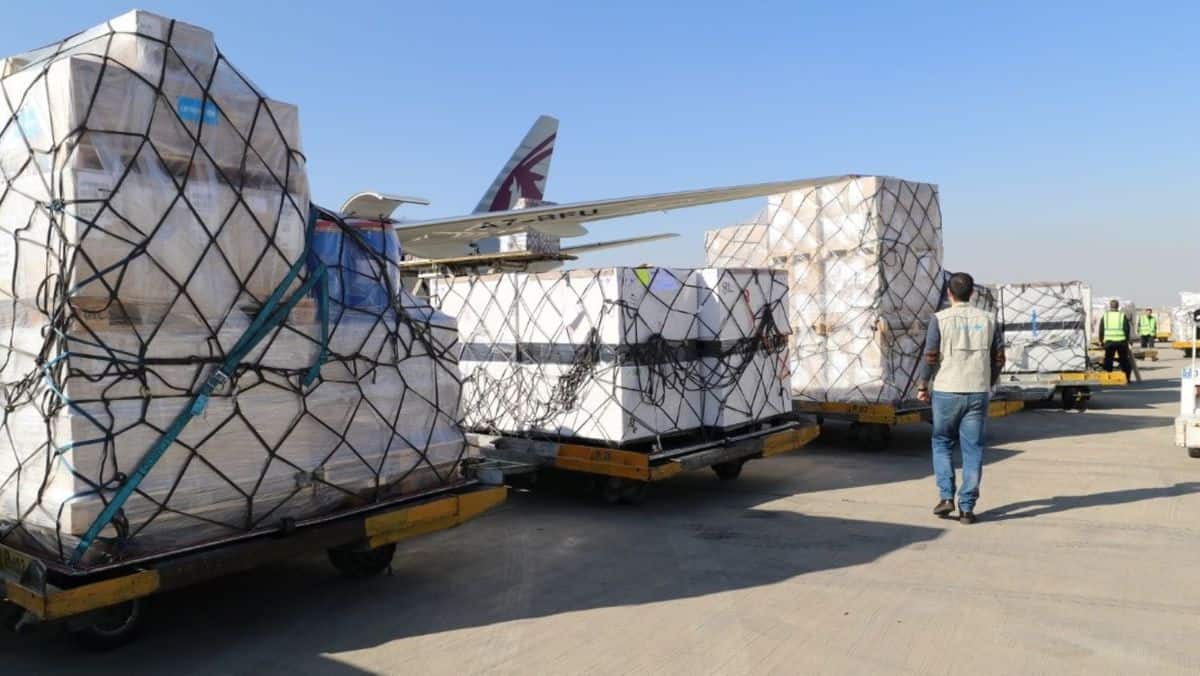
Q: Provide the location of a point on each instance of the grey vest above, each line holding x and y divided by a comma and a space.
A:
966, 350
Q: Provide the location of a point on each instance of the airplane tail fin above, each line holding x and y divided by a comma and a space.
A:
525, 173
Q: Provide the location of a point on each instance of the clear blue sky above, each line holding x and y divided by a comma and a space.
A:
1064, 139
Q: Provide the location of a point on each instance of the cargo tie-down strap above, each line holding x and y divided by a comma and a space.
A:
272, 314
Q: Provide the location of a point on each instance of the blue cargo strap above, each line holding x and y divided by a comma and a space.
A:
272, 314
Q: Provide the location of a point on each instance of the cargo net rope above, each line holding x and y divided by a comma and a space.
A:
863, 258
190, 350
619, 355
1045, 327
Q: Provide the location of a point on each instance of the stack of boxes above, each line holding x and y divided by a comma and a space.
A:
863, 257
618, 355
1045, 326
151, 201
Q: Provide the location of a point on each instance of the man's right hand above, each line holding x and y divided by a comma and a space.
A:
923, 396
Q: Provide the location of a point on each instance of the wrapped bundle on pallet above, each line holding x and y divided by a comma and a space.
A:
863, 257
618, 355
1045, 327
185, 353
1183, 326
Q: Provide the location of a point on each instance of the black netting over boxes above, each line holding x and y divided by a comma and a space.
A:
864, 262
1045, 326
188, 350
620, 355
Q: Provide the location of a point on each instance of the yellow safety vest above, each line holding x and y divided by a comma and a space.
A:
1114, 327
1148, 325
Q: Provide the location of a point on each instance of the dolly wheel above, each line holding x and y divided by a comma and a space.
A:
109, 628
871, 436
362, 563
728, 471
615, 490
635, 492
1194, 452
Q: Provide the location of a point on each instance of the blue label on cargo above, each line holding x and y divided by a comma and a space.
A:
28, 120
195, 110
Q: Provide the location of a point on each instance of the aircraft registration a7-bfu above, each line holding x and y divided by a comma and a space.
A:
514, 204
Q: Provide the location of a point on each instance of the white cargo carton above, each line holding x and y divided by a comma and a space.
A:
864, 258
1045, 327
619, 355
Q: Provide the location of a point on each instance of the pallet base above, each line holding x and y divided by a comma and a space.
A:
27, 582
524, 455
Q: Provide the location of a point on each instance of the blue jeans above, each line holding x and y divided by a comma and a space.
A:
959, 419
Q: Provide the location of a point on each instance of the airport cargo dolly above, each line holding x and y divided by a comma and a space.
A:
1074, 388
871, 424
624, 474
103, 606
1189, 347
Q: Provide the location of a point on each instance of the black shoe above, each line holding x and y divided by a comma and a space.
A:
967, 518
944, 508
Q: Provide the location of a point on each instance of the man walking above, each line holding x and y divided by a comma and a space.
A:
1114, 334
1148, 328
964, 353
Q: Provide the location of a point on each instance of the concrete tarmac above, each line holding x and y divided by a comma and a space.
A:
1086, 559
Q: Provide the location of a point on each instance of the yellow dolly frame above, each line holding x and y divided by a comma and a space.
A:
103, 606
871, 424
624, 475
1073, 387
1188, 346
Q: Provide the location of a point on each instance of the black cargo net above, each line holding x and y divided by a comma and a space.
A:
863, 259
620, 355
189, 350
1045, 327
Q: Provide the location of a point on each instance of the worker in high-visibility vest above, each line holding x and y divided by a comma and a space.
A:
1148, 328
1115, 336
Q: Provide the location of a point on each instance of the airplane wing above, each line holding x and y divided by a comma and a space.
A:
614, 243
449, 237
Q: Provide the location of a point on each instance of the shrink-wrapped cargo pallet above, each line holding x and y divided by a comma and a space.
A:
619, 355
1183, 327
863, 257
1045, 327
154, 224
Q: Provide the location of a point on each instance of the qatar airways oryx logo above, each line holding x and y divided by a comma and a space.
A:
525, 180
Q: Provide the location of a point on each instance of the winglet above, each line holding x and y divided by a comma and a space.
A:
525, 173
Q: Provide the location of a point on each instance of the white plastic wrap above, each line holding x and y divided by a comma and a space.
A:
1182, 325
143, 226
864, 263
619, 355
1045, 327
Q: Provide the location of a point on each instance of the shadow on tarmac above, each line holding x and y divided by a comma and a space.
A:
541, 554
1062, 503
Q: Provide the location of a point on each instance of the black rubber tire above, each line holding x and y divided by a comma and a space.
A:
10, 615
360, 564
1194, 452
872, 436
109, 628
526, 481
611, 489
634, 492
728, 471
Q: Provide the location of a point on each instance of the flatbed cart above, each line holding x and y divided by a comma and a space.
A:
1073, 388
871, 424
624, 475
1189, 347
103, 606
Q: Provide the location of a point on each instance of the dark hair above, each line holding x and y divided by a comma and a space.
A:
961, 286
